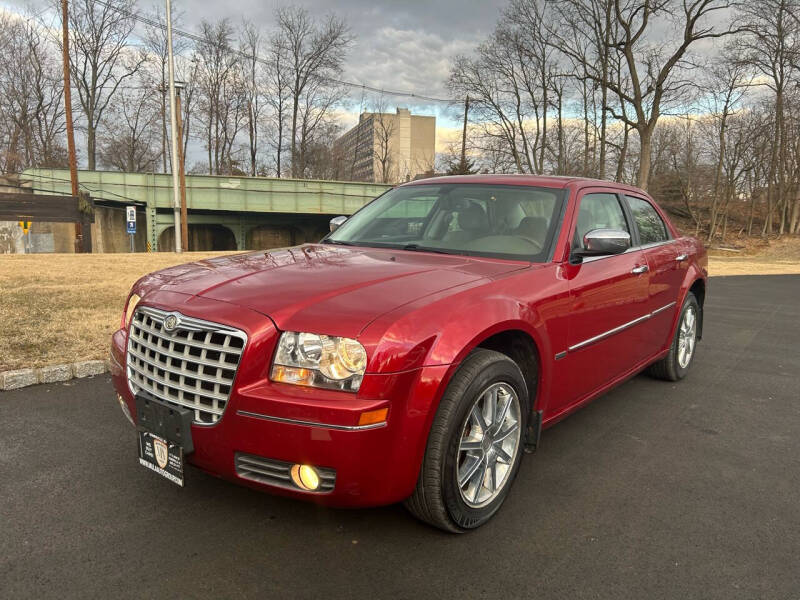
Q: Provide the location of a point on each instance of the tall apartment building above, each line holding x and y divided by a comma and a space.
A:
388, 147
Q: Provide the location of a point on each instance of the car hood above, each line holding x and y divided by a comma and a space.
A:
325, 288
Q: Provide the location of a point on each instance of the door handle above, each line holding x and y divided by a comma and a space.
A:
640, 270
681, 257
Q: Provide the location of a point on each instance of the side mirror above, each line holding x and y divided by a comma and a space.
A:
603, 242
336, 222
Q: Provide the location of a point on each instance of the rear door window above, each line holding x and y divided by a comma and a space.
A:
649, 223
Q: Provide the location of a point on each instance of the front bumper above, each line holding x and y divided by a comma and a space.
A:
374, 465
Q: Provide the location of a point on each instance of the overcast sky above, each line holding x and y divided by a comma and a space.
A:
405, 46
398, 44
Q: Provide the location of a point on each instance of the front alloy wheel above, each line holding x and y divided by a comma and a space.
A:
490, 440
474, 446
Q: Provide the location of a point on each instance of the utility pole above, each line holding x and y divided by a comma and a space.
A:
184, 216
464, 137
73, 164
176, 194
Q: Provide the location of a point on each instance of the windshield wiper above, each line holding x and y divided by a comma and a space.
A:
339, 243
418, 248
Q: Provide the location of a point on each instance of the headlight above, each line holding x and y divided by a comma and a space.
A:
319, 361
132, 302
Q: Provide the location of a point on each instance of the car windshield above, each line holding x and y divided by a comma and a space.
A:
503, 221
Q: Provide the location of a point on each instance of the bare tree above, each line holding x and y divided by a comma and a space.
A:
251, 43
278, 83
130, 140
30, 96
654, 72
155, 40
726, 85
383, 126
511, 81
222, 103
771, 46
315, 53
100, 59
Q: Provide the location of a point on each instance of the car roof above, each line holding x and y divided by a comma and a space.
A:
550, 181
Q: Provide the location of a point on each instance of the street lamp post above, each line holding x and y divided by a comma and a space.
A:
176, 196
179, 85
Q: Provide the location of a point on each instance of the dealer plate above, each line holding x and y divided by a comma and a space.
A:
162, 456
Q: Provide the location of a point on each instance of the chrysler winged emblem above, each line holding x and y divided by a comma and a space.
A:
170, 323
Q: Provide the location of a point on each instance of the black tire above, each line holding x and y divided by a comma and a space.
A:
669, 368
437, 499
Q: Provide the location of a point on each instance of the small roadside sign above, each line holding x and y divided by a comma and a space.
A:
130, 218
130, 221
25, 226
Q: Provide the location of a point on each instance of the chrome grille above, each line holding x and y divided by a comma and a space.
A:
276, 472
191, 364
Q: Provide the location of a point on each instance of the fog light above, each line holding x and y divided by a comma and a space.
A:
125, 410
305, 477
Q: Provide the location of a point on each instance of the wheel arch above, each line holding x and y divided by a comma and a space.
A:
520, 347
696, 284
698, 288
521, 343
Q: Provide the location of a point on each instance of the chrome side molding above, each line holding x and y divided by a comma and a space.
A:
613, 331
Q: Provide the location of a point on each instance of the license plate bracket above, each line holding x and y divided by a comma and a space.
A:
168, 421
164, 434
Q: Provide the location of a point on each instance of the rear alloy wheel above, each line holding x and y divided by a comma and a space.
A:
676, 363
475, 444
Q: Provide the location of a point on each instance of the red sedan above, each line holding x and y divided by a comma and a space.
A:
418, 350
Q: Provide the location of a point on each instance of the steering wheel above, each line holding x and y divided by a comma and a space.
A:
531, 241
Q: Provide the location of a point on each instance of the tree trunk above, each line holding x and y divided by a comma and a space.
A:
252, 133
91, 146
782, 197
794, 226
645, 143
623, 155
295, 102
718, 176
585, 172
561, 166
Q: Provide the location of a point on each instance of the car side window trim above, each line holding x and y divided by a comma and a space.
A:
556, 230
632, 227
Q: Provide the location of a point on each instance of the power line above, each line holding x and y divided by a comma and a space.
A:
200, 39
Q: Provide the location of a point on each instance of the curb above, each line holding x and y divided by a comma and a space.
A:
20, 378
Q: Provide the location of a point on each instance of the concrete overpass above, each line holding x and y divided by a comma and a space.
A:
243, 212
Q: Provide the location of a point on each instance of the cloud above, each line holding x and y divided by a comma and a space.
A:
406, 59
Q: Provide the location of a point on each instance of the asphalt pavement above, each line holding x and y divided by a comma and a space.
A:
655, 490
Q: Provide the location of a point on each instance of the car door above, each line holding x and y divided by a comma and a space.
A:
608, 300
667, 264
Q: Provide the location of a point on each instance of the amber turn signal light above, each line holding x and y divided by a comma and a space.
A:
373, 417
295, 375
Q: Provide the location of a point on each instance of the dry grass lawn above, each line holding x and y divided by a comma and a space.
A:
758, 257
57, 308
